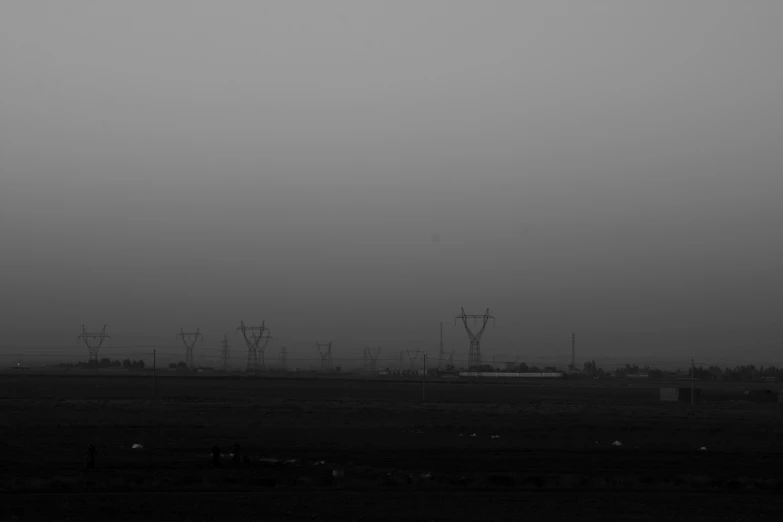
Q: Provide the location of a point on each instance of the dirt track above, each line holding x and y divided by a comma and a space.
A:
556, 455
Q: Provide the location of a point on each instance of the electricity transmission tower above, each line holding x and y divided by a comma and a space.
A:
189, 339
256, 344
369, 364
96, 337
441, 354
224, 350
260, 362
326, 356
283, 357
412, 358
474, 356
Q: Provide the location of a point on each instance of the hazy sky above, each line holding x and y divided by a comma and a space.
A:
612, 168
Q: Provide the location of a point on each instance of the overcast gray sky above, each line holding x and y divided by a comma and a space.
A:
612, 168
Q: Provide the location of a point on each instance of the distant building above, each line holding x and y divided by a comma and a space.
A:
679, 394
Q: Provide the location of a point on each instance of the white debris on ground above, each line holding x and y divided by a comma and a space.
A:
617, 443
338, 473
137, 446
472, 434
703, 448
319, 463
494, 436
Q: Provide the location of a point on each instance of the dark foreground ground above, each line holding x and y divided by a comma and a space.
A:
477, 452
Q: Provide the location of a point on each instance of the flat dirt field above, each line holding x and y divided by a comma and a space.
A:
469, 451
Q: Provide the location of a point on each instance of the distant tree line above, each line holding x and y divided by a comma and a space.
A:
742, 373
108, 363
739, 373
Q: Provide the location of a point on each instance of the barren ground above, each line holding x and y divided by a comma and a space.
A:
552, 458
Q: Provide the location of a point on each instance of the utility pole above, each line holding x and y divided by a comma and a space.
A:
441, 354
693, 378
224, 351
94, 336
474, 356
424, 377
573, 352
189, 344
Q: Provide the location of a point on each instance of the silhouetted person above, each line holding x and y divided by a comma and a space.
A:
216, 456
90, 457
236, 458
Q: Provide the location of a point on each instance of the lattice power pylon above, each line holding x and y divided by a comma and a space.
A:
260, 361
474, 356
325, 351
412, 357
256, 344
189, 339
370, 360
97, 339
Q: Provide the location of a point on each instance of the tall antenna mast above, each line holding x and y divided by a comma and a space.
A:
95, 337
474, 356
189, 344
